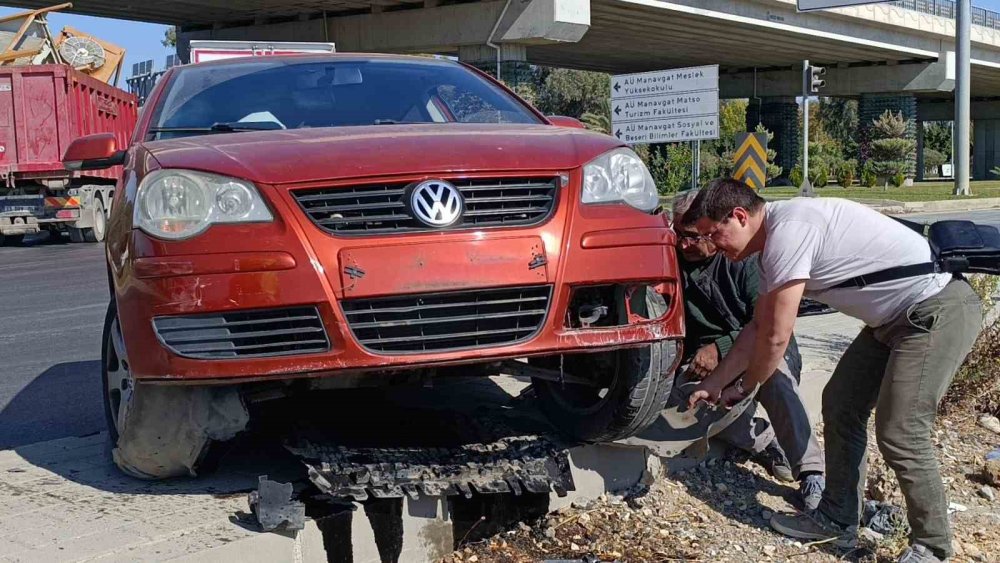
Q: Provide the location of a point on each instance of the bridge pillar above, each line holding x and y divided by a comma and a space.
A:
780, 115
871, 107
986, 148
514, 68
920, 151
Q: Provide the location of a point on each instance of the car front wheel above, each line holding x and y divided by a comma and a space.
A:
162, 431
630, 388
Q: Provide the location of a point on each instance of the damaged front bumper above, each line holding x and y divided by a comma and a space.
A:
324, 305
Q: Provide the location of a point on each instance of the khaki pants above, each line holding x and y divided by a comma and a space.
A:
902, 370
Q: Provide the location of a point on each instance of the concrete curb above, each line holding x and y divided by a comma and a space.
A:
935, 206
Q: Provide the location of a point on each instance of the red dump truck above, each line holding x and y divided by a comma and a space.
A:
43, 109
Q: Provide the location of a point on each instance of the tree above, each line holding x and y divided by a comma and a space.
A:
933, 159
839, 120
937, 136
732, 120
891, 152
572, 92
773, 170
169, 37
599, 120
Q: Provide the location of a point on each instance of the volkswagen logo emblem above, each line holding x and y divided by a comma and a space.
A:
436, 203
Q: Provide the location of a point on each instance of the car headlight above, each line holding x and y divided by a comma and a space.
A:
619, 176
178, 204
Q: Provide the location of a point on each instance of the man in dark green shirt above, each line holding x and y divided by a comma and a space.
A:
719, 300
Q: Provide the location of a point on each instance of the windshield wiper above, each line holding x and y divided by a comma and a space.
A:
397, 122
221, 127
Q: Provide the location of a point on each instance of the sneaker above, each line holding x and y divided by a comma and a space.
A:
811, 491
814, 526
917, 553
773, 460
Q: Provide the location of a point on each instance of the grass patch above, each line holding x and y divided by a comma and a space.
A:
921, 191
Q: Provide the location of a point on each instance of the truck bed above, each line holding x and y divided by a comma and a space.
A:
43, 108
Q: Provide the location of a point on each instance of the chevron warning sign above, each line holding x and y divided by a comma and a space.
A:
750, 159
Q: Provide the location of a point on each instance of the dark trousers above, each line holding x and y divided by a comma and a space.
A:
789, 423
902, 370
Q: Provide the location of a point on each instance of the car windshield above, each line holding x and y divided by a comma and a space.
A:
284, 93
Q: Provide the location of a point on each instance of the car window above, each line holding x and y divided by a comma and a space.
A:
289, 94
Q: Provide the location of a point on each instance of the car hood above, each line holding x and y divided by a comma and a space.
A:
305, 155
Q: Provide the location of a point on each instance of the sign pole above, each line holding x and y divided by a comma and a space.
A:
806, 189
695, 163
963, 25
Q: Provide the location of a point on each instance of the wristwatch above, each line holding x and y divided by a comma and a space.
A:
740, 389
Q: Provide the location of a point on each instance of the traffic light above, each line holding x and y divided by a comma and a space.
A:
813, 78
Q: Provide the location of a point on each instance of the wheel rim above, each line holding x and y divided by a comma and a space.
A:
100, 221
118, 383
583, 399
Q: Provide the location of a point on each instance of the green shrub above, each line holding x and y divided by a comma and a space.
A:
897, 179
869, 178
845, 173
795, 176
933, 160
822, 178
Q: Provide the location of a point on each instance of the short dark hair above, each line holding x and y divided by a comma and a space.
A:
718, 199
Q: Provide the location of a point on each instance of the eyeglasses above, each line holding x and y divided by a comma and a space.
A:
712, 236
692, 239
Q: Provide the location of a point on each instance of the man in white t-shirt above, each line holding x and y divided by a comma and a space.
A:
918, 331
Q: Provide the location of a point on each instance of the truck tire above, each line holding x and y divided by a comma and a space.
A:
163, 431
95, 233
635, 387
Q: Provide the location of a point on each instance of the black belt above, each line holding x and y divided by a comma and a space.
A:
896, 273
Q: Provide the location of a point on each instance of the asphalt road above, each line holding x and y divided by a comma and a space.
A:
986, 216
53, 297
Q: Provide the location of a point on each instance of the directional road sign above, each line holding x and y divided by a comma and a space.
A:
806, 5
666, 106
750, 159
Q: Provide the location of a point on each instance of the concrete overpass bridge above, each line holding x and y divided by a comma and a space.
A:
895, 56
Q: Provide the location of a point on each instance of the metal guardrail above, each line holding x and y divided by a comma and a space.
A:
141, 85
947, 9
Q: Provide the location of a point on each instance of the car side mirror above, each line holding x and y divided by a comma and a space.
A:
93, 152
563, 121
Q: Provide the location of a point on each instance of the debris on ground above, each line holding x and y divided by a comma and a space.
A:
884, 518
719, 511
273, 506
991, 472
990, 423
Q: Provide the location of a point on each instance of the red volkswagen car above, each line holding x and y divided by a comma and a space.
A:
344, 219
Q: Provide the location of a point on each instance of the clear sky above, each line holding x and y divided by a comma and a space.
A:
141, 41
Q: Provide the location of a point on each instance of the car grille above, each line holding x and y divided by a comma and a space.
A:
382, 208
244, 334
448, 321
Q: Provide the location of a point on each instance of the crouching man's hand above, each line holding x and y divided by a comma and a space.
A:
705, 360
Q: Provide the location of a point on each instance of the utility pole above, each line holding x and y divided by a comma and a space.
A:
963, 25
811, 83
